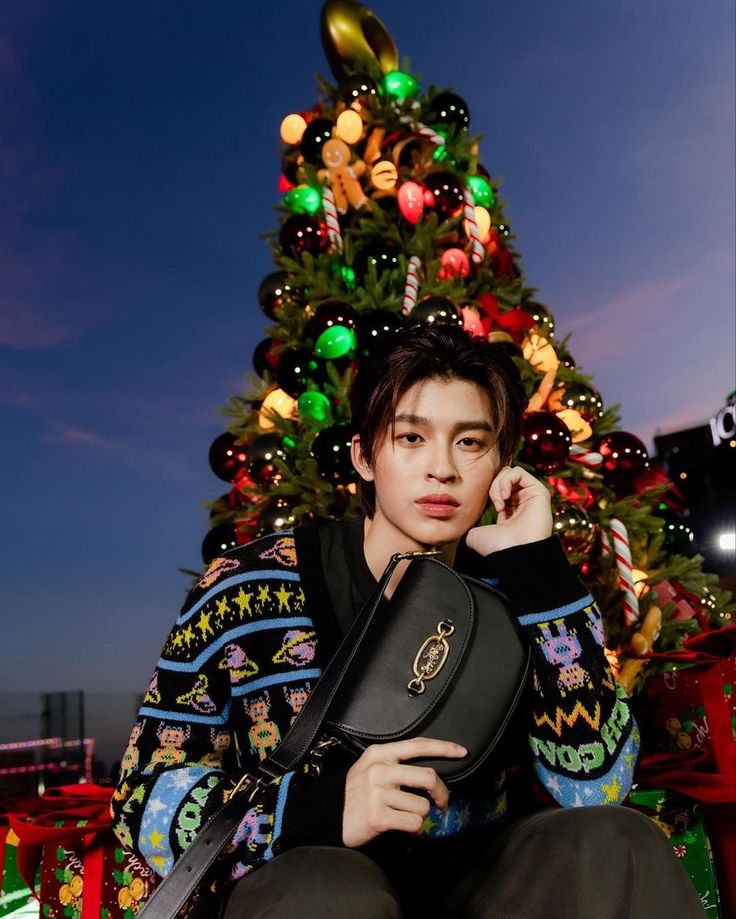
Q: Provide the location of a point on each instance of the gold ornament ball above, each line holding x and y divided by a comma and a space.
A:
292, 128
349, 126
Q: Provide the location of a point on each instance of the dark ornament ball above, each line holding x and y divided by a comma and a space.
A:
358, 88
227, 458
315, 135
264, 358
218, 540
376, 326
679, 538
382, 256
583, 399
275, 291
574, 527
290, 169
328, 314
302, 233
542, 317
624, 459
331, 450
437, 311
447, 194
296, 367
546, 441
263, 451
276, 515
448, 110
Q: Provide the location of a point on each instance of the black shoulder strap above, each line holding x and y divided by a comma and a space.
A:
192, 866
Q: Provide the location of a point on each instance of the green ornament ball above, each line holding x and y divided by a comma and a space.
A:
400, 85
335, 341
304, 199
314, 405
482, 191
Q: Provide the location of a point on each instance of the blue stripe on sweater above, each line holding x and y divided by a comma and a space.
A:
257, 626
274, 679
279, 815
187, 716
260, 575
557, 613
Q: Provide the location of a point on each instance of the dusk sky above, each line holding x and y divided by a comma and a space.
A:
139, 160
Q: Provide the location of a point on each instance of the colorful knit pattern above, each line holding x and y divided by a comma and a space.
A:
583, 736
235, 671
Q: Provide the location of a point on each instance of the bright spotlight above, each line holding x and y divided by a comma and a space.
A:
727, 542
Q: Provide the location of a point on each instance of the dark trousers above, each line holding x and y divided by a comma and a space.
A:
575, 863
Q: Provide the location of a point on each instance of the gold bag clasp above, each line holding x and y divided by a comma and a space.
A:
431, 657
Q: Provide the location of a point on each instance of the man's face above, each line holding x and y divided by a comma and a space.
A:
443, 444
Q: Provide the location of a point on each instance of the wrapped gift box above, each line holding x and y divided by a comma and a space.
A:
681, 820
84, 872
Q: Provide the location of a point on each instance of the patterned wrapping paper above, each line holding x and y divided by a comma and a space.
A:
14, 891
95, 881
681, 820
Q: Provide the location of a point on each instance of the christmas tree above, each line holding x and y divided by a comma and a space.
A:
389, 217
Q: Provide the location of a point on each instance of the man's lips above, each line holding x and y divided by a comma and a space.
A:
447, 500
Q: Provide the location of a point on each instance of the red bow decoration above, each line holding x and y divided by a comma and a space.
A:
515, 322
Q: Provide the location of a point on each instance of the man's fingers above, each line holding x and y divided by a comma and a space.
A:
418, 777
406, 801
414, 748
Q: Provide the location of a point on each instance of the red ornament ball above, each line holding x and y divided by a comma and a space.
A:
445, 194
228, 458
301, 233
547, 441
624, 459
455, 264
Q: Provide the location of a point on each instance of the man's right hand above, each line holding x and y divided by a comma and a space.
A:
374, 801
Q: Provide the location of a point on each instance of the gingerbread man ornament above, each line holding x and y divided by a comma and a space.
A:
342, 176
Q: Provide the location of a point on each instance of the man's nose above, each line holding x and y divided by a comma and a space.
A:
441, 465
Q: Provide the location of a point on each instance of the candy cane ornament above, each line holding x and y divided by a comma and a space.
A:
411, 288
471, 225
588, 458
622, 551
333, 224
437, 139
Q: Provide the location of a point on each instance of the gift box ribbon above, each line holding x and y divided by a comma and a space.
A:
73, 804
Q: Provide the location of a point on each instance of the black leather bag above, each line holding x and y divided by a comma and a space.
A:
443, 657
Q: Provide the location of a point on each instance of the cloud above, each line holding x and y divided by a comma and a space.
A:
65, 434
23, 326
605, 332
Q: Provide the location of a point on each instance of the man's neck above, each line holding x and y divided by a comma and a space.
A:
381, 540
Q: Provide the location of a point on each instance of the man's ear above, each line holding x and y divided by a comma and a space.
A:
356, 455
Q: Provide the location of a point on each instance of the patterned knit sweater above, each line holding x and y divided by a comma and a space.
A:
243, 656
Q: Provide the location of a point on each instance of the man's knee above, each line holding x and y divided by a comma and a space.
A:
315, 882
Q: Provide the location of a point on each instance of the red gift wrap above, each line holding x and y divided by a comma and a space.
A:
84, 872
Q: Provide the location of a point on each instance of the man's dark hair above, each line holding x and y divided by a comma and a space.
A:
422, 352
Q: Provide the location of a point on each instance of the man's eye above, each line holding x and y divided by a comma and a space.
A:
402, 436
473, 441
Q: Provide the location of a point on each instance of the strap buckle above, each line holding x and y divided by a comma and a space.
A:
317, 755
248, 785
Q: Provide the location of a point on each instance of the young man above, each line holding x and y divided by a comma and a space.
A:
437, 418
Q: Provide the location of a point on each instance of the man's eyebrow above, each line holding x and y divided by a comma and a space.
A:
476, 425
